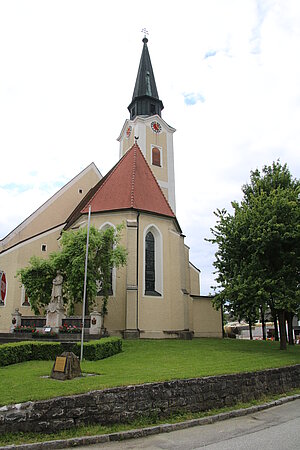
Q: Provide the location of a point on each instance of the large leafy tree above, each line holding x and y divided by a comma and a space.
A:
258, 256
105, 252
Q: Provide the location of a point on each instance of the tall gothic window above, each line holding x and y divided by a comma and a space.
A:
100, 288
150, 265
112, 272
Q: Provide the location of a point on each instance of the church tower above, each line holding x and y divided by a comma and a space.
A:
146, 127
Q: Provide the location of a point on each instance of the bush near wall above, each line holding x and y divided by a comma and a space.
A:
15, 353
101, 349
18, 352
46, 350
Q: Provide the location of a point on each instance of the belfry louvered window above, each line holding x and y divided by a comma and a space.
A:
156, 157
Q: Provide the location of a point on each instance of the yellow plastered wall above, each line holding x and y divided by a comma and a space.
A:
115, 319
165, 313
194, 281
128, 142
206, 321
152, 315
15, 259
159, 140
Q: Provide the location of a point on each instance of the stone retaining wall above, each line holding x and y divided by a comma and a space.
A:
162, 399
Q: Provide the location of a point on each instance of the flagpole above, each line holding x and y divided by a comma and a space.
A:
85, 279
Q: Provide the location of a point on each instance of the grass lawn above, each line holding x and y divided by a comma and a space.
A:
146, 361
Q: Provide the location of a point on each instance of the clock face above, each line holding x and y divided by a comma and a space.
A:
156, 127
128, 131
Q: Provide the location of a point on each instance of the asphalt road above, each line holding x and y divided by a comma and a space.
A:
277, 428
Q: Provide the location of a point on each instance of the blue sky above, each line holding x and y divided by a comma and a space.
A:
227, 72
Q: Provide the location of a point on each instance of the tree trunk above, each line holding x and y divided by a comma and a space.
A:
290, 316
274, 315
250, 329
282, 329
263, 323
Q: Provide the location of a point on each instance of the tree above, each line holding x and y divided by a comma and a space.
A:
258, 256
105, 252
37, 280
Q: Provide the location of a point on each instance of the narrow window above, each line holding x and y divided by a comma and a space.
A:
3, 288
112, 280
100, 288
150, 263
79, 191
156, 156
44, 247
153, 262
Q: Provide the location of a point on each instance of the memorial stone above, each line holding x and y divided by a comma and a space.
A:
66, 367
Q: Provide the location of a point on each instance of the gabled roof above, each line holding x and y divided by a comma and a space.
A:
129, 185
54, 212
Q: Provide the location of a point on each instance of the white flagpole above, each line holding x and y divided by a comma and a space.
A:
85, 278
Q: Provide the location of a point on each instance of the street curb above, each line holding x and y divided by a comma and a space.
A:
148, 431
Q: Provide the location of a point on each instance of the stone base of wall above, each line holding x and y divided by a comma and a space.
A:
125, 404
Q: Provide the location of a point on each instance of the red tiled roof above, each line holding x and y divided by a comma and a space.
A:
130, 184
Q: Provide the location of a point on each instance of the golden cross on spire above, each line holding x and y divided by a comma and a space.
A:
145, 32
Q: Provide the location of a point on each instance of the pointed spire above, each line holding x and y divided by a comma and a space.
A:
145, 100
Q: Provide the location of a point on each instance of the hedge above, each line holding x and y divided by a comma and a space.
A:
101, 349
18, 352
15, 353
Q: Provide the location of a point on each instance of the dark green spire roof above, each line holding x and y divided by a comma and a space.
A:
145, 100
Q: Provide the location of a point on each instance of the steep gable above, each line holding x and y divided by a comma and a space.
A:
56, 210
130, 184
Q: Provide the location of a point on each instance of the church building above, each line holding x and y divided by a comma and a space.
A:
157, 293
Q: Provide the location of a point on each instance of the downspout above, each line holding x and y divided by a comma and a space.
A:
137, 269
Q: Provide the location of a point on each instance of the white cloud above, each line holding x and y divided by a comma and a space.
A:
68, 73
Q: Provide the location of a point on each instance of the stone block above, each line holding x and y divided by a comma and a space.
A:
66, 367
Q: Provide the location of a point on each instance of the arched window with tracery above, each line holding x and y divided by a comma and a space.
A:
112, 283
153, 263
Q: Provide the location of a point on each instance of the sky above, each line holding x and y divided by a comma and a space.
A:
227, 71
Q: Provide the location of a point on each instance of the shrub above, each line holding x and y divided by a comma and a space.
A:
15, 352
100, 349
24, 329
69, 329
42, 335
46, 350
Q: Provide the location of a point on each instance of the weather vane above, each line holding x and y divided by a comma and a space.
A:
145, 32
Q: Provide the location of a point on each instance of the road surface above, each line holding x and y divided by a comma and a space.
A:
277, 428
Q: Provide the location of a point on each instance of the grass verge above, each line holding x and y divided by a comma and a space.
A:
144, 361
93, 430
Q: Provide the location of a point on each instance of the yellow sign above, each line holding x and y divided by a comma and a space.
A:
60, 364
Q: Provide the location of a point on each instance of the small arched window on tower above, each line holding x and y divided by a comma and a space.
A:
150, 265
156, 159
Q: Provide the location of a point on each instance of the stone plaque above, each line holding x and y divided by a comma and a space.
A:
60, 364
66, 367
